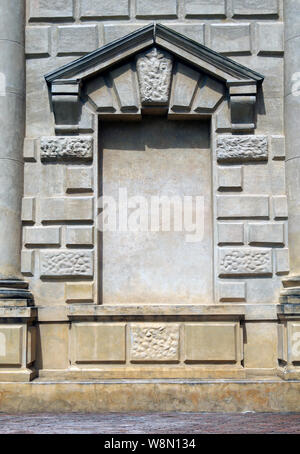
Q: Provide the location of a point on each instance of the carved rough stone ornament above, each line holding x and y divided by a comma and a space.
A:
65, 263
245, 261
242, 148
154, 343
66, 148
154, 70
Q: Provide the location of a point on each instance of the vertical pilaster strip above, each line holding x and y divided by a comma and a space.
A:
12, 121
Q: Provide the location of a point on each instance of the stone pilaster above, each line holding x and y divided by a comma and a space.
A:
291, 293
12, 119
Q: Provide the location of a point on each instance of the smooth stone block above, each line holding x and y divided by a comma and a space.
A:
198, 8
66, 263
211, 342
102, 8
30, 150
37, 41
245, 261
79, 179
66, 209
230, 178
255, 7
79, 292
293, 342
266, 233
79, 235
243, 206
280, 207
27, 262
154, 342
54, 9
28, 209
156, 8
278, 147
282, 261
261, 346
77, 39
53, 347
230, 233
116, 31
11, 344
184, 86
270, 38
98, 342
232, 291
230, 38
42, 236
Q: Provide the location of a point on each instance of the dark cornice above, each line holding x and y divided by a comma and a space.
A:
148, 36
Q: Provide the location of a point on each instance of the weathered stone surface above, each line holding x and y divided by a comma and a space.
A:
154, 73
66, 209
77, 40
266, 233
56, 9
230, 178
231, 233
270, 38
97, 342
211, 342
66, 148
255, 7
244, 261
156, 8
154, 342
101, 8
242, 148
42, 236
230, 38
244, 206
66, 263
232, 291
198, 8
38, 41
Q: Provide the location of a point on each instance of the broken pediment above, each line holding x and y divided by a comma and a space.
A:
153, 68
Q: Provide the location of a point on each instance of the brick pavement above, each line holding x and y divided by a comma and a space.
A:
151, 423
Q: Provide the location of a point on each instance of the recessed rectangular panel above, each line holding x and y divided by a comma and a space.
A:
162, 262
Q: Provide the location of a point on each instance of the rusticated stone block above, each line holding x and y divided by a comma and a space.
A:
28, 209
27, 262
278, 147
231, 38
77, 39
37, 41
63, 263
154, 342
42, 236
54, 9
83, 291
270, 38
79, 179
245, 261
99, 342
198, 8
280, 207
212, 342
156, 8
255, 7
79, 235
242, 148
230, 233
266, 233
103, 8
66, 209
230, 178
282, 261
11, 343
66, 148
232, 291
30, 150
154, 70
242, 206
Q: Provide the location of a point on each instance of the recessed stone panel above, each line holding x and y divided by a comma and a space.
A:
212, 342
245, 261
294, 342
66, 148
230, 38
155, 342
198, 8
11, 341
64, 263
99, 342
27, 262
242, 148
244, 206
278, 147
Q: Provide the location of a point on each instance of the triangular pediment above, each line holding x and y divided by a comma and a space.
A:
197, 55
